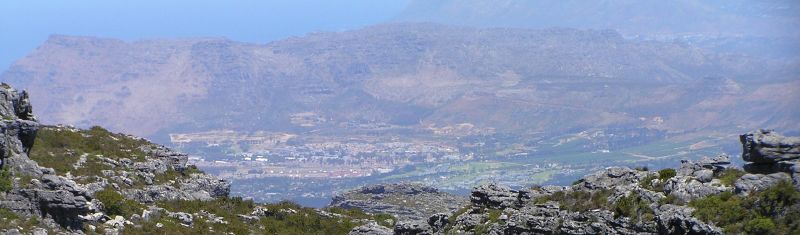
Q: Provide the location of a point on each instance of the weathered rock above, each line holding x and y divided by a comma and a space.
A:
370, 229
704, 169
757, 182
687, 188
183, 217
200, 187
438, 221
412, 228
497, 196
611, 177
672, 219
766, 146
404, 201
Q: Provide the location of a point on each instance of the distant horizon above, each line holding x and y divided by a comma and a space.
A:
244, 21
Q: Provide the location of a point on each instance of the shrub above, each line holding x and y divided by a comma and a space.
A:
633, 207
773, 210
578, 200
760, 225
666, 174
6, 180
116, 204
729, 176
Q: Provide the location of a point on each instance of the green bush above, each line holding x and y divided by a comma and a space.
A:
729, 176
633, 207
666, 174
760, 225
6, 180
773, 210
116, 204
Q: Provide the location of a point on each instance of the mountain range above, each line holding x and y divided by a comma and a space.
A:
414, 76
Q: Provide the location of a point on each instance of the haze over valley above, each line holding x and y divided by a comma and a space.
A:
419, 98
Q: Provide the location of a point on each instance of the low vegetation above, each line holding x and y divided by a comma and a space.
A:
634, 207
729, 176
579, 200
6, 180
772, 211
662, 177
10, 220
116, 204
280, 218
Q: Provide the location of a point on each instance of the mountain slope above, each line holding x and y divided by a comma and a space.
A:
63, 180
410, 75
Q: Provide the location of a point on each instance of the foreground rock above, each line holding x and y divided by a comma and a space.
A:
621, 200
771, 158
57, 199
404, 201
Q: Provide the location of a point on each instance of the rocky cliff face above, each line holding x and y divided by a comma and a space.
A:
55, 198
619, 200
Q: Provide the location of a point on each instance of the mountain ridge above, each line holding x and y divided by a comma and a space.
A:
396, 73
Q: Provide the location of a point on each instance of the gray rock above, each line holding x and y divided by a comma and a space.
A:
183, 217
371, 228
438, 221
412, 228
404, 201
757, 182
766, 146
672, 219
704, 169
687, 188
497, 196
196, 187
611, 177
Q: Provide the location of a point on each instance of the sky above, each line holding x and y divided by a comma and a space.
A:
24, 24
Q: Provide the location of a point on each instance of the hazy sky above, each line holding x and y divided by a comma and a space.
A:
25, 24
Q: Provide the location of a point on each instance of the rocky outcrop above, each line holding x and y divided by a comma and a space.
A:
771, 158
46, 195
497, 196
404, 201
196, 187
60, 201
371, 229
768, 147
696, 179
673, 219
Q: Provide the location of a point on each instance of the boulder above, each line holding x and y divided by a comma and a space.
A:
766, 146
412, 228
497, 196
371, 228
757, 182
672, 219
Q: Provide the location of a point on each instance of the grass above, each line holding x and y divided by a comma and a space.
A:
60, 148
282, 218
10, 220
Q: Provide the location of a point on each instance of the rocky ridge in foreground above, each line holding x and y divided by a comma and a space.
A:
709, 196
64, 180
